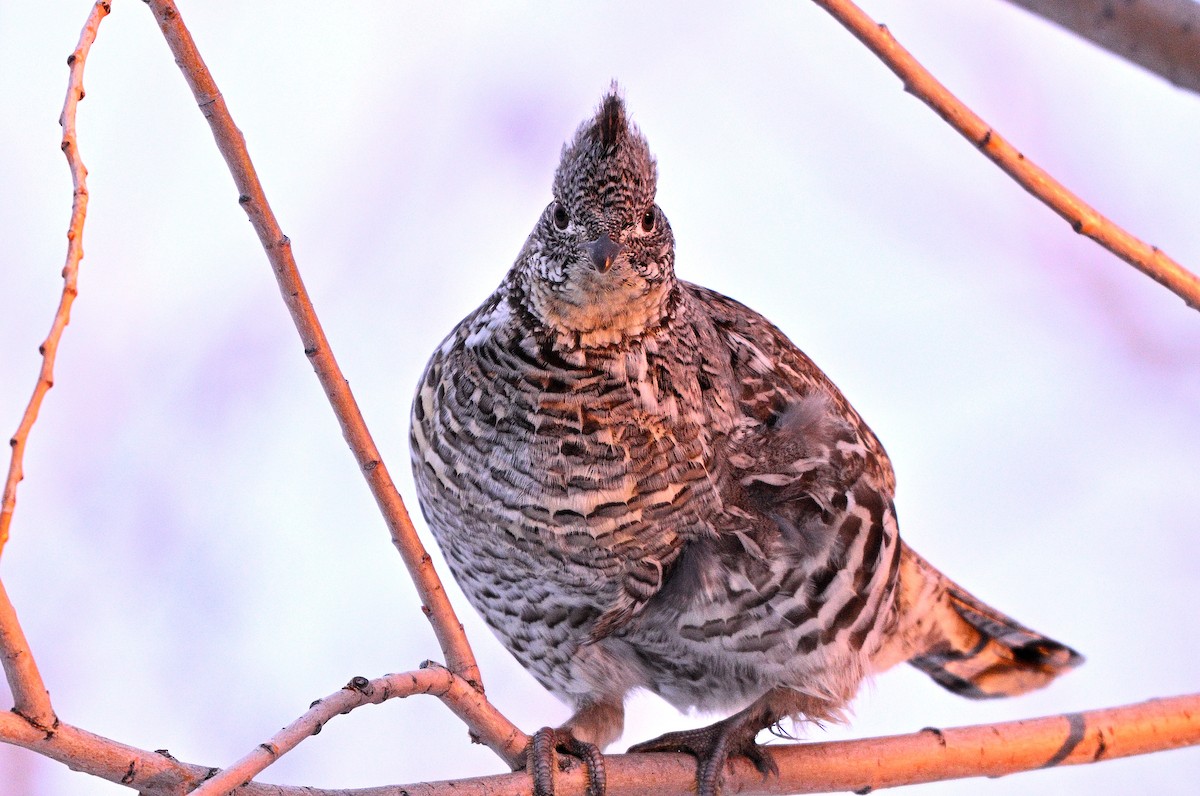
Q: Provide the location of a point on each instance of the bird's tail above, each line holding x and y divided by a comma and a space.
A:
965, 646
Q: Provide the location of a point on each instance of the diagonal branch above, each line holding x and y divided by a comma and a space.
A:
1082, 217
471, 706
152, 773
1162, 36
232, 145
30, 699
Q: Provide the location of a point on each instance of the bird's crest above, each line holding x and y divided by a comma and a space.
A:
608, 161
610, 122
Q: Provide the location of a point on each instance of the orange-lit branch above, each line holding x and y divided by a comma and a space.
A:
446, 626
30, 699
870, 764
1082, 217
70, 273
930, 755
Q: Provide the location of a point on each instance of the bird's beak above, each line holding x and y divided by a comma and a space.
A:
603, 251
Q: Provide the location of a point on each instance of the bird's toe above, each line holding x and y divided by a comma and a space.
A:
540, 760
712, 747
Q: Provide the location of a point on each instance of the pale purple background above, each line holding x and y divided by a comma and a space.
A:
195, 557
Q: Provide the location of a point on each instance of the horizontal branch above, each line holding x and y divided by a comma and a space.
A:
1162, 36
1082, 217
930, 755
870, 764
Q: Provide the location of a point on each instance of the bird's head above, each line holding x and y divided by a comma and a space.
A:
599, 265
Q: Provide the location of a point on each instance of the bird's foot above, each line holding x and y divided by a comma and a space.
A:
540, 760
712, 746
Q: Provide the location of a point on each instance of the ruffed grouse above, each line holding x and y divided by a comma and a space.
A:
641, 483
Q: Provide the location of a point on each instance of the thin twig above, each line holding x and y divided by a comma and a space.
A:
930, 755
30, 698
431, 679
70, 273
1162, 36
437, 608
1082, 217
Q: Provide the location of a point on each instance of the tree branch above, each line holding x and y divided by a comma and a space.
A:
931, 755
467, 703
1162, 36
152, 773
31, 700
1082, 217
49, 348
436, 606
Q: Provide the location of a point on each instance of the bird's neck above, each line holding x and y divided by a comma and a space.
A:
597, 319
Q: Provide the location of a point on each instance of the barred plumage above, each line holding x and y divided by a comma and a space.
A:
641, 483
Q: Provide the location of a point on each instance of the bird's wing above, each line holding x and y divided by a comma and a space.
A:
807, 529
797, 449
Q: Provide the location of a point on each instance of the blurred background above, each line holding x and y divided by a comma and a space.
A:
194, 556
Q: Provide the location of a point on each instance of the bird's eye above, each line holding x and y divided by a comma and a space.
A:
561, 219
649, 220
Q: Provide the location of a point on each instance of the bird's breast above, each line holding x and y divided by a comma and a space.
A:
587, 458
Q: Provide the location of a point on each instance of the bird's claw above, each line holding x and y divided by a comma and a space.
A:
540, 760
712, 746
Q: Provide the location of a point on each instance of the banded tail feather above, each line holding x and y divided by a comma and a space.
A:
968, 647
